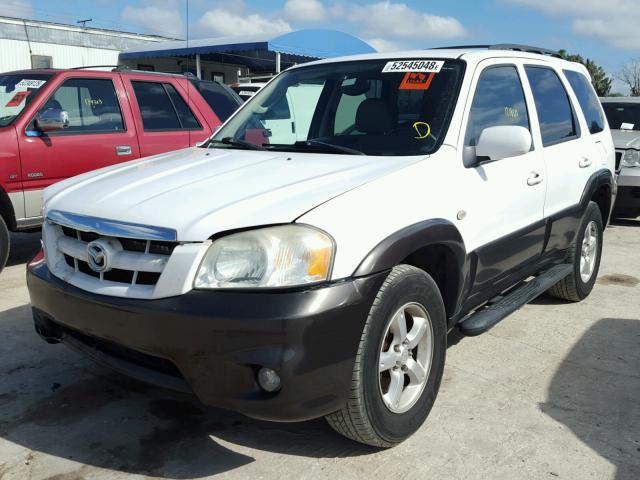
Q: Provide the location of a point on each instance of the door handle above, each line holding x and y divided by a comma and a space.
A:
123, 150
584, 162
534, 179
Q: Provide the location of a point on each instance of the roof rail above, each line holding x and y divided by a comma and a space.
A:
506, 46
525, 48
96, 66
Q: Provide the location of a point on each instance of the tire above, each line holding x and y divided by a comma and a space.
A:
4, 243
366, 417
574, 287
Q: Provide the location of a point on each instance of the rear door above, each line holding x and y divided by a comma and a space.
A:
100, 133
165, 117
569, 156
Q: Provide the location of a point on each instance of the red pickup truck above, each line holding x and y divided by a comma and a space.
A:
55, 124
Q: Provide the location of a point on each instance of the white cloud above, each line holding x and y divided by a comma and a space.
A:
388, 20
613, 21
223, 22
304, 10
157, 17
384, 45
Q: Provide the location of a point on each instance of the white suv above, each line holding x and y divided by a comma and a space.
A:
317, 271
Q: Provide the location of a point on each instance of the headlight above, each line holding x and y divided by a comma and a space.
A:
282, 256
631, 158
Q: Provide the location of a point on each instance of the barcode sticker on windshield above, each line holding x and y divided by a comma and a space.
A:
425, 66
25, 83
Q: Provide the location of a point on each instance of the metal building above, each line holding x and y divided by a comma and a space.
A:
37, 44
225, 59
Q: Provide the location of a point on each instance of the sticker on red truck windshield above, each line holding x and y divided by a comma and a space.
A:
17, 99
424, 66
26, 83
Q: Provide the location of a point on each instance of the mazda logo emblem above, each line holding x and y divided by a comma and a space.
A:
98, 256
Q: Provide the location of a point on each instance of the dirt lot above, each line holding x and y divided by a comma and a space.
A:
551, 392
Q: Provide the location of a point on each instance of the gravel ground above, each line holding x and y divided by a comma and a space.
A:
551, 392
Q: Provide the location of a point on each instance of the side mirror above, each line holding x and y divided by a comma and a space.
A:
51, 120
496, 143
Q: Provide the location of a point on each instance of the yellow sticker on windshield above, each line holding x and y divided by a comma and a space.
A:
423, 129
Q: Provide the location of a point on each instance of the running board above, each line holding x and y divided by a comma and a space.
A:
484, 319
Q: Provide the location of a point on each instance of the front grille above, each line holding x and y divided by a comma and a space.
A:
635, 192
128, 355
138, 261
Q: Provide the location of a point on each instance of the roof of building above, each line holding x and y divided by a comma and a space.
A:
63, 34
257, 50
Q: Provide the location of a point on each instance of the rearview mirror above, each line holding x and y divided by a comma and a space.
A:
51, 120
496, 143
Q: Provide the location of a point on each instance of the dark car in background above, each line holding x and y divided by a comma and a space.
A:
623, 114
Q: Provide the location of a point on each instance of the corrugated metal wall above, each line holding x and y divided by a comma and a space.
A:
14, 55
68, 45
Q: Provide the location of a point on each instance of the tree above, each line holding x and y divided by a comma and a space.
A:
630, 75
599, 79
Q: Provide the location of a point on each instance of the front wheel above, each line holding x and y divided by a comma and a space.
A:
399, 363
584, 254
4, 243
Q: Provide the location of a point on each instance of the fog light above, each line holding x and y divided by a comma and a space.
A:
268, 379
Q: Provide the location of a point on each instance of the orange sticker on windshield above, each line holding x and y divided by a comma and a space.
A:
18, 98
416, 81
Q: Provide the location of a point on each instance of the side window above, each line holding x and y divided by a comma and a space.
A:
162, 108
557, 122
498, 101
91, 103
587, 99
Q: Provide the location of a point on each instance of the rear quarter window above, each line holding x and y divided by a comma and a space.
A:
587, 99
222, 100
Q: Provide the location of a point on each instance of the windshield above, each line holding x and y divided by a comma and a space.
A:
16, 92
623, 116
376, 107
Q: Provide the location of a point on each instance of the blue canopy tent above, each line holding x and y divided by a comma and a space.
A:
260, 53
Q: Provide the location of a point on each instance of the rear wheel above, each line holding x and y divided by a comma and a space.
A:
584, 254
4, 243
399, 363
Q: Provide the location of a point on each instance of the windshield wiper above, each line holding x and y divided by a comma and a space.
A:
332, 146
234, 142
314, 143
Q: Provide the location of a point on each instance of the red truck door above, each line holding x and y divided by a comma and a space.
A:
101, 132
166, 117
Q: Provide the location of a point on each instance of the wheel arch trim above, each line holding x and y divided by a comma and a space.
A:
6, 209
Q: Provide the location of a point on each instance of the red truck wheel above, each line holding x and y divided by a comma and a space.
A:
4, 243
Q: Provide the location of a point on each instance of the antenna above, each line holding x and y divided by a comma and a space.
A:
84, 22
188, 81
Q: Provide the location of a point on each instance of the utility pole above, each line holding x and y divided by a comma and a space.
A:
84, 22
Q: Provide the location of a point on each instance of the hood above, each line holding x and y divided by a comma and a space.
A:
623, 139
200, 192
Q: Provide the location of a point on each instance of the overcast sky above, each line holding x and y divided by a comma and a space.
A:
606, 30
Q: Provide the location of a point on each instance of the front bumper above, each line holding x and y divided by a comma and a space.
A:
214, 342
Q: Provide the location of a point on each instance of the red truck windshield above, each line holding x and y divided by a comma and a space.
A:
16, 91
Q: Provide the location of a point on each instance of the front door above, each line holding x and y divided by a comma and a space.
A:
98, 135
504, 217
